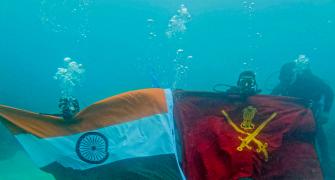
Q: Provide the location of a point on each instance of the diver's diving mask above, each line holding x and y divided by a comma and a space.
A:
247, 85
301, 64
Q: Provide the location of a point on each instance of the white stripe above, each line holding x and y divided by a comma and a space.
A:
169, 100
148, 136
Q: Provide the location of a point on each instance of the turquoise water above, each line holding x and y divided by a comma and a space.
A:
123, 46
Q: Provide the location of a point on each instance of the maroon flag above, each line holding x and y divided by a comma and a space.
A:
261, 137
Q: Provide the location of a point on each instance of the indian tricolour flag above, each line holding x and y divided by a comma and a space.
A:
128, 136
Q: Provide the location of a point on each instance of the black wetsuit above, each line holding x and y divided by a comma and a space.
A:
310, 88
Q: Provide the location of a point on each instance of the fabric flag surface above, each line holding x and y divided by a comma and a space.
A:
260, 137
128, 136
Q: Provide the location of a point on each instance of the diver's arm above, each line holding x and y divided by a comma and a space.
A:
48, 114
277, 90
328, 98
68, 118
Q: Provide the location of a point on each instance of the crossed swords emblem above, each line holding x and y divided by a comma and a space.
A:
251, 137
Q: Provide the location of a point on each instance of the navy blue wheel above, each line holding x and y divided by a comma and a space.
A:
92, 147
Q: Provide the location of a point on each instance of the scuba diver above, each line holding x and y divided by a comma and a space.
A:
297, 80
69, 107
246, 85
302, 83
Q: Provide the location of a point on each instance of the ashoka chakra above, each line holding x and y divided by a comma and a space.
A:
92, 147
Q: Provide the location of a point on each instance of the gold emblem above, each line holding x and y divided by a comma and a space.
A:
248, 115
251, 137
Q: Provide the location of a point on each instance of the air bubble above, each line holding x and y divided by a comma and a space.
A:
177, 23
150, 20
69, 76
179, 51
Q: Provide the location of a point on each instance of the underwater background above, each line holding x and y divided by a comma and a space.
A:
123, 45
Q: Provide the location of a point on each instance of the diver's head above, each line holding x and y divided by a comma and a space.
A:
302, 65
288, 73
69, 107
247, 83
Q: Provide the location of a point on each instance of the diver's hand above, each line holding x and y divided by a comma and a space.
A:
323, 117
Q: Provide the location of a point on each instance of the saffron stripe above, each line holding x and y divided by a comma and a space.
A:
114, 110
